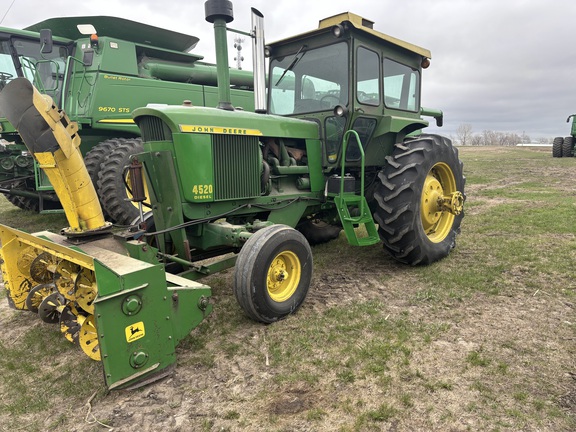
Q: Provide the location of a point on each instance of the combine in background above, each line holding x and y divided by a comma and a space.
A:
98, 70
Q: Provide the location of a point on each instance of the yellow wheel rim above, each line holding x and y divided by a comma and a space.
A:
437, 221
283, 277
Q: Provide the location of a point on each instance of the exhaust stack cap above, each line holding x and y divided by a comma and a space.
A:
219, 9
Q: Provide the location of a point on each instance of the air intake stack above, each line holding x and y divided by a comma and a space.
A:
220, 13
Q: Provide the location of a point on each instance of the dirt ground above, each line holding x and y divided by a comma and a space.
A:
197, 398
529, 330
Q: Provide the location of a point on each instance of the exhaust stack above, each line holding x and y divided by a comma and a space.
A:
52, 139
258, 61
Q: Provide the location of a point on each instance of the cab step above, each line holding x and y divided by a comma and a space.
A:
344, 202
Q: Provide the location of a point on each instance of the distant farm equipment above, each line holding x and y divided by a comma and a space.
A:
564, 147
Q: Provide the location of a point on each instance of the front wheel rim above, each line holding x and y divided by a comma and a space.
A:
436, 220
283, 276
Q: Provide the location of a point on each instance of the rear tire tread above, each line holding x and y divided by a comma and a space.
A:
398, 196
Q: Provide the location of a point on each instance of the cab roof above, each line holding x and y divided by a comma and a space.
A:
366, 26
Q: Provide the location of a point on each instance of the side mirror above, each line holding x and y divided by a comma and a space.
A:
88, 57
46, 41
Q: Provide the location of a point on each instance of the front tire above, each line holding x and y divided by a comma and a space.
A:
413, 226
273, 273
557, 145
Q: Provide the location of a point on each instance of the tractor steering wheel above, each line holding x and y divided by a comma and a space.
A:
330, 100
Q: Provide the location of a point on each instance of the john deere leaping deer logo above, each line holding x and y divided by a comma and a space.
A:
135, 331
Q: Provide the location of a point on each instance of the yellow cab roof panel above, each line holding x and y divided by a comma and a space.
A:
366, 25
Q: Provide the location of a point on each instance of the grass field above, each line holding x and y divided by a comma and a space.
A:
484, 340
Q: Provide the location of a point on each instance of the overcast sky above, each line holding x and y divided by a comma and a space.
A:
502, 65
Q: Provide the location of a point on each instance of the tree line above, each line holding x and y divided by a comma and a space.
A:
466, 136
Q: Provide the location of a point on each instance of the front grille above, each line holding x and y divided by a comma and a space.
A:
236, 166
154, 129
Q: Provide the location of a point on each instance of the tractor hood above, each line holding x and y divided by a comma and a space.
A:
184, 119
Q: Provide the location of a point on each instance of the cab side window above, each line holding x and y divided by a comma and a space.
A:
367, 77
401, 86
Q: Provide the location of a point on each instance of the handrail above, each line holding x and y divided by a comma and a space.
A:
344, 146
83, 78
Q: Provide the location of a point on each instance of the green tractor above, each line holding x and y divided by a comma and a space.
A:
99, 69
333, 145
564, 147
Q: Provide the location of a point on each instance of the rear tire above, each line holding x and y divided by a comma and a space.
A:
412, 229
557, 145
273, 273
111, 188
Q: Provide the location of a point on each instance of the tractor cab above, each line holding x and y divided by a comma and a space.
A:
347, 76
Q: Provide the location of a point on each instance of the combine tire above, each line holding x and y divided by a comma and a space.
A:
412, 227
32, 204
114, 196
24, 203
17, 201
568, 147
557, 145
97, 155
273, 273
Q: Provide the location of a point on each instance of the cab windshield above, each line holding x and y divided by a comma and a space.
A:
45, 71
311, 80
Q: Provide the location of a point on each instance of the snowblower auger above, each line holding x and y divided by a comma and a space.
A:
138, 313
